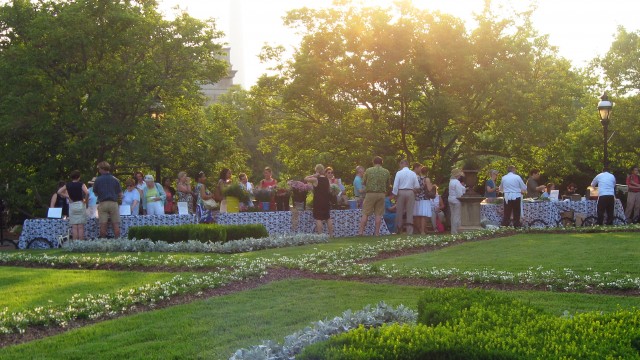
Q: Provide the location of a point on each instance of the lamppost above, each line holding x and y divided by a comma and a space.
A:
156, 112
604, 109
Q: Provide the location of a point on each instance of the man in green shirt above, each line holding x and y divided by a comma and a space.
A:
376, 181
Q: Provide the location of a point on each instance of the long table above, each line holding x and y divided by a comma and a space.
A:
53, 229
548, 213
346, 223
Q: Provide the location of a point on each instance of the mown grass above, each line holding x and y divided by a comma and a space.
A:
600, 252
25, 288
215, 327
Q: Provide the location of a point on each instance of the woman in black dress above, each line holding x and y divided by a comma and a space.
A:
321, 199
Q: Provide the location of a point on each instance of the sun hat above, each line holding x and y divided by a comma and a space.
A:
148, 178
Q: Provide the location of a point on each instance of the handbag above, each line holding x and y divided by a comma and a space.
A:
209, 204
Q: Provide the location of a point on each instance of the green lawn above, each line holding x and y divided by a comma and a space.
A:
215, 327
25, 288
579, 252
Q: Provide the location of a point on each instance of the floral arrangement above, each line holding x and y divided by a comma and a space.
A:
282, 189
263, 195
334, 189
299, 186
237, 191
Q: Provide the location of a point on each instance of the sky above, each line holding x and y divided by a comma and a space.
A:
581, 29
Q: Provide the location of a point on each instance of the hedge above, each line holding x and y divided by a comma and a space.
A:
199, 232
482, 326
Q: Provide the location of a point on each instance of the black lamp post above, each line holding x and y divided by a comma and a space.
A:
156, 112
604, 109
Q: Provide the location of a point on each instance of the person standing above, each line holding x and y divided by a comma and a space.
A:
404, 188
376, 181
76, 192
533, 189
456, 190
60, 201
247, 186
512, 187
269, 183
204, 214
358, 187
170, 206
92, 201
633, 196
184, 191
107, 189
490, 187
321, 199
153, 197
422, 205
131, 196
606, 183
140, 185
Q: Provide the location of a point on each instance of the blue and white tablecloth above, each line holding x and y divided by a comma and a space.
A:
547, 213
52, 229
346, 223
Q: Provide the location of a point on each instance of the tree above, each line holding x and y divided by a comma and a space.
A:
78, 80
404, 82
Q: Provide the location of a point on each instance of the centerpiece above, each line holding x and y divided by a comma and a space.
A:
263, 196
300, 190
235, 194
283, 194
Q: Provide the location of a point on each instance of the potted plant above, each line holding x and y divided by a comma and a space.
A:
300, 190
235, 194
263, 196
283, 194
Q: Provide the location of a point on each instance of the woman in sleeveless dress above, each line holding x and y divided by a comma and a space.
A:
76, 192
321, 199
184, 191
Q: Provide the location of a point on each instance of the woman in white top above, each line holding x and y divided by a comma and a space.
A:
131, 196
456, 190
244, 182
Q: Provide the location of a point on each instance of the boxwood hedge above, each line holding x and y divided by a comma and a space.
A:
200, 232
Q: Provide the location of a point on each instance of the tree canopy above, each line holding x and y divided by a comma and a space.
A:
78, 80
408, 83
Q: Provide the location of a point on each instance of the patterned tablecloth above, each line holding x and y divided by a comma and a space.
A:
548, 213
345, 222
52, 229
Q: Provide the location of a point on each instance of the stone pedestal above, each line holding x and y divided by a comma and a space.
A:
470, 211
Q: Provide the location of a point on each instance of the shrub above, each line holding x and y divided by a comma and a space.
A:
437, 306
237, 232
199, 232
489, 327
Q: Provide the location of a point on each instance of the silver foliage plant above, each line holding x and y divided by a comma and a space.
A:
322, 330
229, 247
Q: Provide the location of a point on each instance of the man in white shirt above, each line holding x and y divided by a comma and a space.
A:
606, 183
512, 187
404, 186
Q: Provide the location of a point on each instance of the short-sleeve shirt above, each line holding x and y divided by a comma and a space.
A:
107, 188
376, 179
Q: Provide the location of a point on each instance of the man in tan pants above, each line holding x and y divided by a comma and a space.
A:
404, 187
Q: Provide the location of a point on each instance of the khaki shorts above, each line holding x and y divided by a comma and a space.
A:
373, 204
109, 210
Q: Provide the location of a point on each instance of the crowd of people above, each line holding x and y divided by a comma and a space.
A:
409, 205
